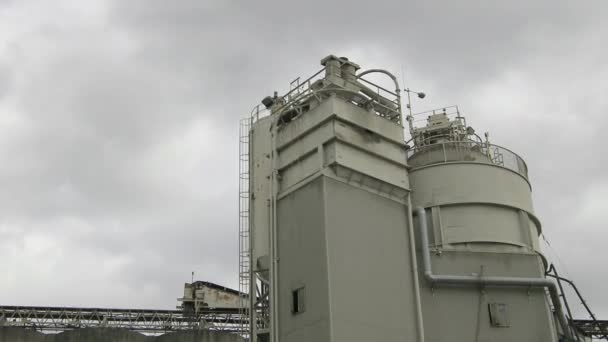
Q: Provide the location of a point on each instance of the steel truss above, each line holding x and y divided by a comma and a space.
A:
596, 329
145, 321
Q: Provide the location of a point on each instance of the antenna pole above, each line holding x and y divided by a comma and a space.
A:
409, 101
410, 118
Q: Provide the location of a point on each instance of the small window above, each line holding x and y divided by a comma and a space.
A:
297, 300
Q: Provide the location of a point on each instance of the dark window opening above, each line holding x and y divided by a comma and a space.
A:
297, 301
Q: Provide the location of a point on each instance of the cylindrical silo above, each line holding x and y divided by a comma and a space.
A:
481, 226
473, 199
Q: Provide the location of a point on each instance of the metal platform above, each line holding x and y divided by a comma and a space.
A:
145, 321
595, 329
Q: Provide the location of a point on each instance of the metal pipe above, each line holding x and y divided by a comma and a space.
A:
274, 293
563, 295
389, 74
368, 95
410, 118
414, 262
381, 99
339, 90
439, 280
580, 297
382, 71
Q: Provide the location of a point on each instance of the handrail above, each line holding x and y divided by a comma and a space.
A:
381, 71
563, 295
580, 297
375, 85
454, 110
386, 103
496, 155
301, 85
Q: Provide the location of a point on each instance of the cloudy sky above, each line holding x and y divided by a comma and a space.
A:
119, 125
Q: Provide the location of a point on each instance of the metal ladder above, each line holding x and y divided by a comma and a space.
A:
244, 248
498, 158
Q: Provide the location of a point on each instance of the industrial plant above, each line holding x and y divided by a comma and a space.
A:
352, 232
352, 229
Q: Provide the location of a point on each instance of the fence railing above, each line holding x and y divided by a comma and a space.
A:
452, 112
467, 151
386, 103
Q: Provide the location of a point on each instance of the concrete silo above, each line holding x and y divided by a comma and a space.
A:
354, 235
483, 275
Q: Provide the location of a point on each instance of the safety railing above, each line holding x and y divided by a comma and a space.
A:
385, 103
452, 112
390, 105
466, 151
299, 91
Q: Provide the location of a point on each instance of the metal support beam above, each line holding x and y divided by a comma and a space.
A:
146, 321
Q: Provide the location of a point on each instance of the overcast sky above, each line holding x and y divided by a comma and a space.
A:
119, 125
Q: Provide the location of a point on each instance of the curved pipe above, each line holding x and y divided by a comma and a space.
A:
387, 73
378, 98
452, 280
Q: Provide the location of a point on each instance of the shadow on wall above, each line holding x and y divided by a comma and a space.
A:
15, 334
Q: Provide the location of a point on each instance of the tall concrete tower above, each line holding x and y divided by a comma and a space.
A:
354, 234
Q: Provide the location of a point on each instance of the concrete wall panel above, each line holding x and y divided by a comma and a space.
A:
15, 334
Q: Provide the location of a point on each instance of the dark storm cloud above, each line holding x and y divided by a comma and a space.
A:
118, 136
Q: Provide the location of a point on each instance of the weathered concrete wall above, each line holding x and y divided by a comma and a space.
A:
96, 335
197, 336
14, 334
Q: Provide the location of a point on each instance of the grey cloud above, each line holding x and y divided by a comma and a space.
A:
6, 80
119, 165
